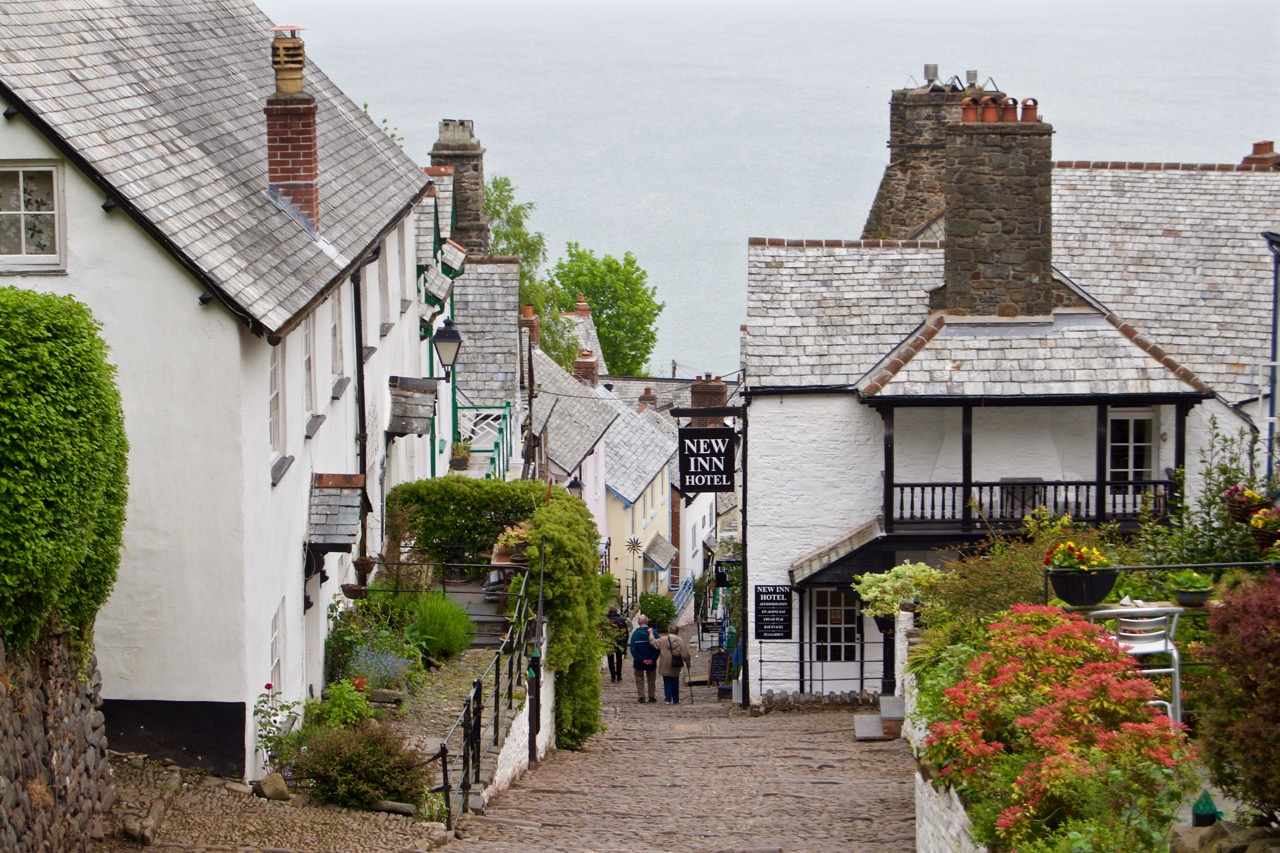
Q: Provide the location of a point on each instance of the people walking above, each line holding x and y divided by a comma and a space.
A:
616, 643
674, 655
644, 658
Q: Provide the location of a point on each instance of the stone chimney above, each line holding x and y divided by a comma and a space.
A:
1264, 154
999, 212
532, 322
585, 367
459, 148
705, 393
911, 193
648, 398
581, 308
293, 160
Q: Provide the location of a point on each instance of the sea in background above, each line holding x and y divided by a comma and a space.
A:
676, 130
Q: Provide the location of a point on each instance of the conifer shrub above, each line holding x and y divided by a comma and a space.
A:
1239, 726
63, 481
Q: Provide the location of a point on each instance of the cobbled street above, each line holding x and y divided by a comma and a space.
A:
704, 776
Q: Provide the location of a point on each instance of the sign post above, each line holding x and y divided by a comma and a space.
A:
707, 459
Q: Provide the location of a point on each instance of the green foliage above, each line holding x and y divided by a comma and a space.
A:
63, 483
1188, 579
1240, 724
510, 234
441, 628
563, 537
1048, 735
392, 132
454, 519
883, 593
358, 765
623, 305
275, 720
660, 609
342, 705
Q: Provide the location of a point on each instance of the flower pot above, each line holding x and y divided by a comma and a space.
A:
1081, 588
1192, 597
1243, 512
459, 463
354, 590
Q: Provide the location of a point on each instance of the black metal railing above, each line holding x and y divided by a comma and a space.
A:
1005, 502
826, 676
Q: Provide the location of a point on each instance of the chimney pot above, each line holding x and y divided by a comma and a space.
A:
1267, 147
581, 308
288, 58
1009, 110
1030, 110
293, 159
585, 367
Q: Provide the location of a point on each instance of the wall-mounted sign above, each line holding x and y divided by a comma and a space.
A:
706, 459
723, 568
773, 612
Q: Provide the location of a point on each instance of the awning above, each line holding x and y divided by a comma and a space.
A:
334, 523
413, 405
812, 568
660, 552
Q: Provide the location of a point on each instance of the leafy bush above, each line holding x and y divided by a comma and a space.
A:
63, 484
342, 705
660, 609
455, 519
361, 764
441, 627
1240, 724
1049, 737
884, 592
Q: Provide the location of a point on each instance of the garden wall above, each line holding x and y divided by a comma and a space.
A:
55, 782
513, 758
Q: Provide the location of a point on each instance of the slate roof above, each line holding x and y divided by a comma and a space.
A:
413, 405
334, 522
1173, 253
661, 552
584, 330
1078, 352
670, 392
486, 309
165, 102
574, 416
636, 448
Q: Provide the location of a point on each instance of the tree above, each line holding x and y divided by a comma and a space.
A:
510, 235
623, 305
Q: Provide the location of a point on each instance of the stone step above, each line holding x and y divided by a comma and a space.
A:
869, 727
893, 708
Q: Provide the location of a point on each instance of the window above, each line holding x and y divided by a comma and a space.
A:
335, 333
275, 399
1131, 451
406, 268
835, 625
308, 360
277, 647
30, 218
384, 291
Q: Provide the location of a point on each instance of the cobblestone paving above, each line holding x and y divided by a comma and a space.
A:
705, 776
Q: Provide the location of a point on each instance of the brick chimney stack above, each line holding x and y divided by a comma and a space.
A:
581, 308
459, 148
293, 160
1264, 154
648, 398
999, 212
585, 367
532, 322
705, 393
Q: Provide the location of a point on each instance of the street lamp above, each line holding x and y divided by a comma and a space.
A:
574, 487
447, 342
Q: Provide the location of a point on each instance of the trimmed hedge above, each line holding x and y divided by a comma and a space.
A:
454, 519
63, 485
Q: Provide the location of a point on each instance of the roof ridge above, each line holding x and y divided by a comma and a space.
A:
1121, 165
902, 354
1157, 352
846, 244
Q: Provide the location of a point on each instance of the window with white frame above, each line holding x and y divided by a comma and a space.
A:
308, 363
31, 217
1130, 450
277, 646
835, 625
275, 399
335, 333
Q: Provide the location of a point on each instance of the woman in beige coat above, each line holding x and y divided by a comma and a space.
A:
670, 645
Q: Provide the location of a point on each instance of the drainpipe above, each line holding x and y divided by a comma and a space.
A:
362, 437
1273, 243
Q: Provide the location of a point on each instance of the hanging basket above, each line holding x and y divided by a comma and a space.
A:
1241, 513
1264, 538
354, 591
1080, 588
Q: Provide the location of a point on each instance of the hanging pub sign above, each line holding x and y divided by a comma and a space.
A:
723, 567
706, 459
773, 612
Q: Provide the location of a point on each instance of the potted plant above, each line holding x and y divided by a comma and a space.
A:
1079, 574
461, 455
882, 594
1190, 588
515, 540
1242, 502
1265, 527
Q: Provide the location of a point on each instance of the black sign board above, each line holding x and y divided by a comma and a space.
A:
719, 673
773, 612
723, 567
706, 459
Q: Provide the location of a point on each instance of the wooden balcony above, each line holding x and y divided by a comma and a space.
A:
1002, 504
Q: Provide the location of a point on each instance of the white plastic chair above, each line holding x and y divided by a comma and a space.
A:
1149, 631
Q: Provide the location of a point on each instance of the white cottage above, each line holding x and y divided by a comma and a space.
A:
1014, 333
246, 236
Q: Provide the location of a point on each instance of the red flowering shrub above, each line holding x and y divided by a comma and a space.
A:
1049, 737
1240, 726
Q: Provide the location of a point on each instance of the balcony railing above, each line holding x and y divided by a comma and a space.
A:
490, 430
1004, 503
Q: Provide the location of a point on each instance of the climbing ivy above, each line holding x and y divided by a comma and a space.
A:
63, 485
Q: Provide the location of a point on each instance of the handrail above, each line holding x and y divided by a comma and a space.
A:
1010, 500
488, 420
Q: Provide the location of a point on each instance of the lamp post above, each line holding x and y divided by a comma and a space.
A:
447, 341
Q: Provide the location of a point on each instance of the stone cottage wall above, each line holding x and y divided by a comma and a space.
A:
55, 782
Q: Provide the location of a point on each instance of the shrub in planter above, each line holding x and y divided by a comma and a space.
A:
883, 593
361, 764
1049, 737
1240, 724
441, 628
660, 609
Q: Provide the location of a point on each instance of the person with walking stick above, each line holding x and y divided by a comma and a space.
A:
674, 655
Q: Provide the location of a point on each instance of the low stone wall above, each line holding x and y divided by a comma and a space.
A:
783, 700
942, 826
55, 782
513, 757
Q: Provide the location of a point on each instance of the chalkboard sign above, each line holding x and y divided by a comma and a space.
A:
719, 673
773, 612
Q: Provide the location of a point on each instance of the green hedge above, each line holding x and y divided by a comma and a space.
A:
63, 485
456, 518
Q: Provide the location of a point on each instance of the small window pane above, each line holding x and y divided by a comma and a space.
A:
10, 242
10, 195
37, 190
1120, 431
1142, 431
41, 233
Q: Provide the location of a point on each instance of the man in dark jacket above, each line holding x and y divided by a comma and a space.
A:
616, 643
644, 657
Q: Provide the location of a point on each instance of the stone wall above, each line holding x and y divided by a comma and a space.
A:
513, 758
55, 782
942, 826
